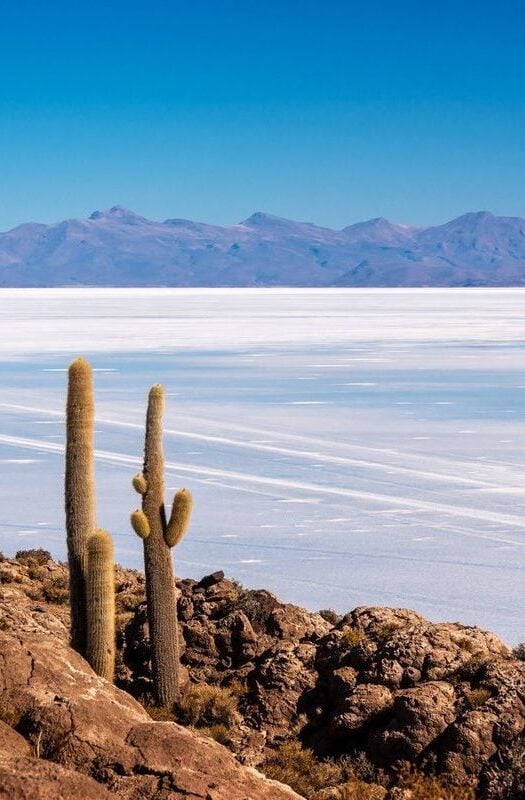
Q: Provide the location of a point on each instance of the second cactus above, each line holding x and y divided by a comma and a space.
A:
100, 596
159, 537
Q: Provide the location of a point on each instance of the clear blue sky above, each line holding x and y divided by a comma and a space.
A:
331, 111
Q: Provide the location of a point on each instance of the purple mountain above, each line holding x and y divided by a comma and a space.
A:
121, 248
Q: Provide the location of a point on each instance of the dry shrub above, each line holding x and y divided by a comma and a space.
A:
9, 576
56, 589
237, 688
353, 790
161, 714
477, 697
424, 788
299, 769
385, 631
519, 651
351, 636
329, 615
9, 715
219, 733
35, 558
202, 706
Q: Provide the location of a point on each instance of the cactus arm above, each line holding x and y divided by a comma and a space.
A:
140, 524
140, 483
180, 517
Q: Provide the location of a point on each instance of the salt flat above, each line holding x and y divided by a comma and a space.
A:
344, 447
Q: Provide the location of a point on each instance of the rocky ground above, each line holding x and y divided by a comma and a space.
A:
380, 703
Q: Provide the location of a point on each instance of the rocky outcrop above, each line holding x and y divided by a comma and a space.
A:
382, 687
67, 733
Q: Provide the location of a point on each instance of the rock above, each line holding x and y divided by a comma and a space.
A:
210, 580
360, 709
35, 779
385, 683
11, 742
278, 681
292, 623
94, 730
199, 767
419, 716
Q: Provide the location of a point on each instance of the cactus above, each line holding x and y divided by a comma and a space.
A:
79, 491
100, 602
160, 584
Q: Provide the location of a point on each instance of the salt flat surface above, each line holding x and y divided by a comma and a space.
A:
344, 447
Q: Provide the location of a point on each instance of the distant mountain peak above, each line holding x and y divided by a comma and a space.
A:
378, 230
262, 218
119, 213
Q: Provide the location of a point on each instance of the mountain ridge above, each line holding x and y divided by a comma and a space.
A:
118, 247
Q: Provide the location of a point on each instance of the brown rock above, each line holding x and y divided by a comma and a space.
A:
34, 779
12, 743
360, 708
419, 716
72, 716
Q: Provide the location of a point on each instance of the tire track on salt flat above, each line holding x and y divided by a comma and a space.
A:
191, 470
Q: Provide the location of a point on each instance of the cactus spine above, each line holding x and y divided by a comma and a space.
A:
160, 584
79, 491
100, 596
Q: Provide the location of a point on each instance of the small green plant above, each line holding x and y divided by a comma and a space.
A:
352, 637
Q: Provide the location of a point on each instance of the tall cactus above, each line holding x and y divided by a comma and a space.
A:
79, 491
158, 537
100, 596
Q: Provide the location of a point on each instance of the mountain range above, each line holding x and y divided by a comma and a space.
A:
120, 248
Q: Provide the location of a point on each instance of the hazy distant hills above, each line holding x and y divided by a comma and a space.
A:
120, 248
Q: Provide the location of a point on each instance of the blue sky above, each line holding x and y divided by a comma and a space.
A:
330, 111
